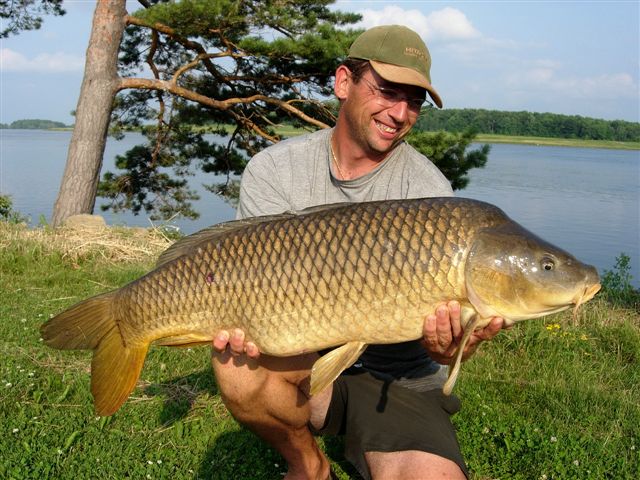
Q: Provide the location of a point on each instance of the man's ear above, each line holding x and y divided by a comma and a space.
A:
341, 87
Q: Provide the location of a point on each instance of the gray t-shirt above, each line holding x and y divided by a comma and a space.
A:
296, 173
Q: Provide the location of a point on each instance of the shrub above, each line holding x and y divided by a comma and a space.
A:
616, 284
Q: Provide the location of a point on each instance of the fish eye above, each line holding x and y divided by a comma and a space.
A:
547, 264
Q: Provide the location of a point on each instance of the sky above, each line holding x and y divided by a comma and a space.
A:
567, 57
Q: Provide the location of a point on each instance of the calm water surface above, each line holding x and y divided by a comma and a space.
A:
31, 167
584, 200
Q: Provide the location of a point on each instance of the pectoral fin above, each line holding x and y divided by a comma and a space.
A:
327, 368
471, 322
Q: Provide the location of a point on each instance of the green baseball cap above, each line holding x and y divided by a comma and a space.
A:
398, 55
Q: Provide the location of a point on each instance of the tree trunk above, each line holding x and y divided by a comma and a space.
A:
99, 86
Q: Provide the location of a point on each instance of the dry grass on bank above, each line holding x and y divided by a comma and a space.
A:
80, 242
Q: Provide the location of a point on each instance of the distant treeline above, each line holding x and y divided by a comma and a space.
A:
483, 121
529, 124
33, 124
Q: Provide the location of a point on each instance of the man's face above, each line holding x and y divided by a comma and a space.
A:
380, 113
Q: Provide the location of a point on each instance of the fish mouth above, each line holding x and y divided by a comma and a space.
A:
581, 297
587, 294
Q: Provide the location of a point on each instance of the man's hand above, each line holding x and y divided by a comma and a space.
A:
443, 331
235, 341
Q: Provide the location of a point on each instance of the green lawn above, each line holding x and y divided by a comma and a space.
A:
548, 399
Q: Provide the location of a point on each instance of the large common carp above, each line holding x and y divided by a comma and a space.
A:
343, 275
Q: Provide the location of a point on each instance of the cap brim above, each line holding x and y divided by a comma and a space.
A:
407, 76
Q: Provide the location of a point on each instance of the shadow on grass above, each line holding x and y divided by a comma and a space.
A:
241, 454
181, 393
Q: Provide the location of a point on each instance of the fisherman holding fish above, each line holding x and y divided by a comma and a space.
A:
390, 404
366, 262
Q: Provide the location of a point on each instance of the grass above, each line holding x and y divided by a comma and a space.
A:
551, 398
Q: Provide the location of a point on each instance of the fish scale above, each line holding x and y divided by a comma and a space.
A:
349, 275
260, 271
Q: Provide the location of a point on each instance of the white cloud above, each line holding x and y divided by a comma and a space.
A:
446, 25
449, 31
12, 61
450, 24
547, 77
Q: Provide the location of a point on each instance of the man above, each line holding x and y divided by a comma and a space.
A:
389, 405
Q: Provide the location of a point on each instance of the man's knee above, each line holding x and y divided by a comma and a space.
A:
239, 381
411, 465
251, 388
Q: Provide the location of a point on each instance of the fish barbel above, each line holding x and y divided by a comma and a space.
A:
344, 275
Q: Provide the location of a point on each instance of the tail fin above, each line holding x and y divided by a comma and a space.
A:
82, 326
115, 369
116, 366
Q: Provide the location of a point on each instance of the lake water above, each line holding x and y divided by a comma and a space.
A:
586, 201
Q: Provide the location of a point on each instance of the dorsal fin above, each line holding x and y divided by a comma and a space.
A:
184, 245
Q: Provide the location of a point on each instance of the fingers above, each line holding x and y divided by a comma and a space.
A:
221, 340
430, 333
487, 333
493, 329
252, 350
235, 342
444, 331
441, 332
454, 316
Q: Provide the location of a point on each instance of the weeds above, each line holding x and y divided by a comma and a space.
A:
7, 213
617, 286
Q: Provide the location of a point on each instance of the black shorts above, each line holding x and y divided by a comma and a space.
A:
381, 416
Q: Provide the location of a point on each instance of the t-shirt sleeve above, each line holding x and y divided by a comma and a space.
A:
261, 191
426, 180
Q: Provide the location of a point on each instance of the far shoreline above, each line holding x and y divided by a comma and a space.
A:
287, 131
557, 142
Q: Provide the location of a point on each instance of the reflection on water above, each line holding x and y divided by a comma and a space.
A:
586, 201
